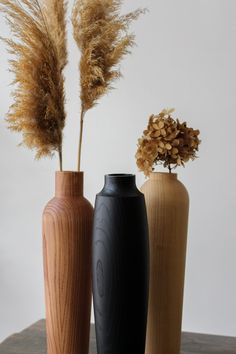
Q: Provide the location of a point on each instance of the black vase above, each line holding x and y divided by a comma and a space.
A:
120, 267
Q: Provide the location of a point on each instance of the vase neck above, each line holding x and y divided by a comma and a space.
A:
119, 184
163, 176
69, 184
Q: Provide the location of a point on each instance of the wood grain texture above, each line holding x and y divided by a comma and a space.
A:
167, 205
33, 341
67, 241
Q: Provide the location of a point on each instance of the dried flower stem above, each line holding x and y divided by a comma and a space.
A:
60, 159
81, 137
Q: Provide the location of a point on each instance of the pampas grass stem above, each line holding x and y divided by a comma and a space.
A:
81, 138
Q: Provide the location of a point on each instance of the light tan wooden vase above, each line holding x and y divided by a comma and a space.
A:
67, 240
167, 208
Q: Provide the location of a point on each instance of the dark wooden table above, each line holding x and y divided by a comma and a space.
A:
33, 341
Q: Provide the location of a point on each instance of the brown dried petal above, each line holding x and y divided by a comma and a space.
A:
174, 151
156, 134
163, 132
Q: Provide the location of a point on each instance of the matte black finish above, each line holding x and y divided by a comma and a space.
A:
120, 267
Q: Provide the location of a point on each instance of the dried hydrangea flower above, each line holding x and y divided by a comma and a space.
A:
166, 141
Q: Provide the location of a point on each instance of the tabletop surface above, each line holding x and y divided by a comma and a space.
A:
33, 341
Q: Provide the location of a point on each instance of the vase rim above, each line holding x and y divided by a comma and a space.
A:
122, 175
69, 172
163, 174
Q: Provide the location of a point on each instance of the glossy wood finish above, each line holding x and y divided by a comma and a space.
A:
33, 341
67, 240
120, 267
167, 205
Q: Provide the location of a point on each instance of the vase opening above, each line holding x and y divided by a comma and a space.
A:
120, 175
120, 179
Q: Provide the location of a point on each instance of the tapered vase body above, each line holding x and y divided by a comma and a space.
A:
67, 242
167, 208
120, 267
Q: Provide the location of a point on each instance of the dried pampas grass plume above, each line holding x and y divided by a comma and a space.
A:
55, 11
39, 51
101, 34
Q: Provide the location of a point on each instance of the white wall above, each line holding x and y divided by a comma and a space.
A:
185, 58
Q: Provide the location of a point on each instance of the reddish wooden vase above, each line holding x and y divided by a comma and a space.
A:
67, 240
